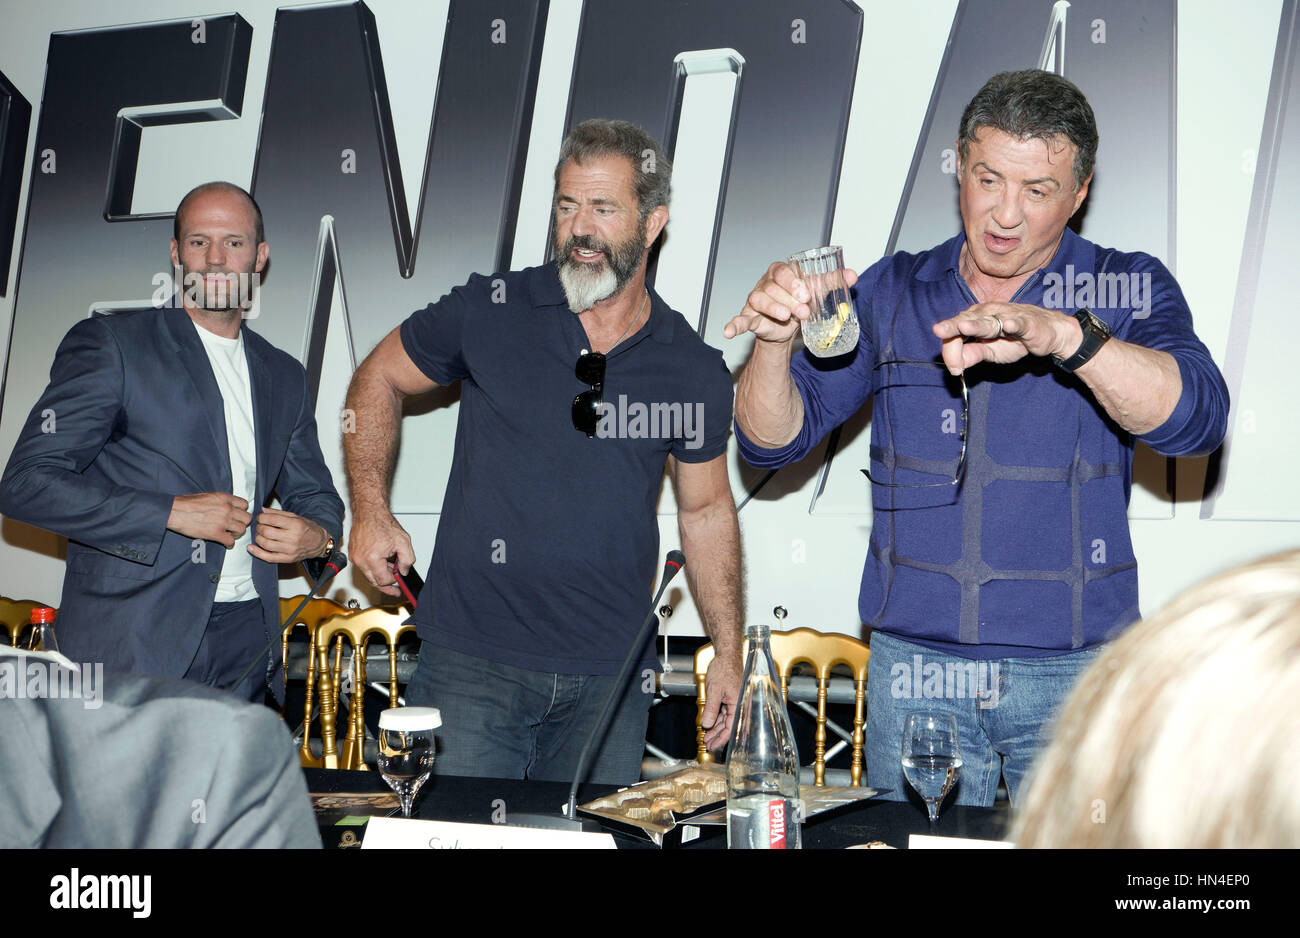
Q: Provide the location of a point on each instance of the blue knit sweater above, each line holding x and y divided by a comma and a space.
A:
1030, 554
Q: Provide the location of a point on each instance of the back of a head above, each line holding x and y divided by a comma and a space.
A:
1182, 734
121, 761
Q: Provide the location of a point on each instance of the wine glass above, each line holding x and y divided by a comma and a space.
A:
406, 750
931, 758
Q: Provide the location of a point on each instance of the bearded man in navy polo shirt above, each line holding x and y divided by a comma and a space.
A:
1000, 551
578, 386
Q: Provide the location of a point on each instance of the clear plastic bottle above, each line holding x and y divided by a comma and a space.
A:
763, 806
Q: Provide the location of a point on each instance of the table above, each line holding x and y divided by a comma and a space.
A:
477, 800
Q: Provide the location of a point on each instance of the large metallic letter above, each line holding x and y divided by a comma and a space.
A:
331, 188
800, 59
15, 119
1257, 480
101, 87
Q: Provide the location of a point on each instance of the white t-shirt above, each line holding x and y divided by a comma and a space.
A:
230, 365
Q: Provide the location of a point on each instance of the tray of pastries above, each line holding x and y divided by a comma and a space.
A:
657, 807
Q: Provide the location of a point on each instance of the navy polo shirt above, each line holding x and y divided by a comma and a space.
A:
548, 544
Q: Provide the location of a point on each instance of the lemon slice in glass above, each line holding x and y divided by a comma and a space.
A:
843, 309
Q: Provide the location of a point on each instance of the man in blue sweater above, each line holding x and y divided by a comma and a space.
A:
1000, 558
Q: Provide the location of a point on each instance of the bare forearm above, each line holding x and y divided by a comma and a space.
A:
1138, 387
711, 542
370, 447
769, 409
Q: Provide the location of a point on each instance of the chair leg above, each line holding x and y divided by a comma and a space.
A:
702, 754
304, 754
392, 673
858, 724
819, 770
359, 708
284, 668
328, 711
348, 751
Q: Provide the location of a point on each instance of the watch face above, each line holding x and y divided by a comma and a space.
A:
1090, 321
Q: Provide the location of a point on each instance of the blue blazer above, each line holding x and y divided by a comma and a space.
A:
133, 417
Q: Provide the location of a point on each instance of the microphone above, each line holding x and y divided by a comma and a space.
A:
337, 562
570, 820
672, 566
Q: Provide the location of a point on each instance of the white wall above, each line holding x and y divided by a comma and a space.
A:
1221, 100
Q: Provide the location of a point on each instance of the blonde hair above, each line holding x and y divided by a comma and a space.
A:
1186, 731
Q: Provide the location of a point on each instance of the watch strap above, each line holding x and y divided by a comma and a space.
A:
1095, 334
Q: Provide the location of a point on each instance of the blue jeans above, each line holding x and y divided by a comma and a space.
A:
1005, 708
500, 721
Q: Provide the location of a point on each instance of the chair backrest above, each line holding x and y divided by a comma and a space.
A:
15, 614
357, 628
311, 616
822, 651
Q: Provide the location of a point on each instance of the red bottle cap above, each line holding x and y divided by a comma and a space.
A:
42, 615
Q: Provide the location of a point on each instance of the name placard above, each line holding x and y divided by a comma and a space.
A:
927, 842
394, 833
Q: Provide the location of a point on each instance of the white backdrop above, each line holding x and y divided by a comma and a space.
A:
809, 563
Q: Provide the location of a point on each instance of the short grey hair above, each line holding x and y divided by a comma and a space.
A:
595, 138
1034, 104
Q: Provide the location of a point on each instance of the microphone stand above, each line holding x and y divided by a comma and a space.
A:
570, 820
615, 692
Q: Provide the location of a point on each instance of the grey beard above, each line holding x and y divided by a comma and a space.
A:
585, 289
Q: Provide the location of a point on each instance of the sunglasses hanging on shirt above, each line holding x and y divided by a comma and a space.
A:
588, 405
590, 369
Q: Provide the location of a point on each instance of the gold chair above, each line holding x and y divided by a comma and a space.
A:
15, 614
357, 627
311, 617
823, 652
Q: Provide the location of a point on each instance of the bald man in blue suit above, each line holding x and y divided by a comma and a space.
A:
159, 435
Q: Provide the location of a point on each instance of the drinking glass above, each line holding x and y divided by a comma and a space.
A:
931, 758
832, 326
406, 750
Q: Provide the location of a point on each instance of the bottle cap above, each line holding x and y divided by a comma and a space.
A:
410, 719
42, 615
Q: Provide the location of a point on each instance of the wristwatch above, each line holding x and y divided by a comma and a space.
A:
1095, 334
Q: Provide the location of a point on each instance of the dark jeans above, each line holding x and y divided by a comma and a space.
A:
499, 721
235, 634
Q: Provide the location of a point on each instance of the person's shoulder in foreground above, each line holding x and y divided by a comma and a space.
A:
110, 761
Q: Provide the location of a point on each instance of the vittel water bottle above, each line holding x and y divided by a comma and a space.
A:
763, 806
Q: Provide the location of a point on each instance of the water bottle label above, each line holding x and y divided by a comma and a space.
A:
776, 824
